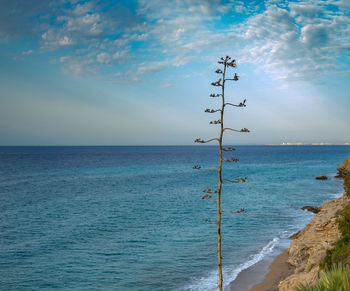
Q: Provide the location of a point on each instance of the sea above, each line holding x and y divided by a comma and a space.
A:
132, 217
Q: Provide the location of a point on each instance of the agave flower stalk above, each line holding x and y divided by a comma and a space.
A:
226, 63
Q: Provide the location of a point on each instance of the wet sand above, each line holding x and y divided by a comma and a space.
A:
263, 276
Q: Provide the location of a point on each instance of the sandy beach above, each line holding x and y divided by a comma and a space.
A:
265, 275
279, 270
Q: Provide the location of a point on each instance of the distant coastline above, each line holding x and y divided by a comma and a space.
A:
305, 143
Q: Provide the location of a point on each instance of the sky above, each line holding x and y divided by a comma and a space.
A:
138, 72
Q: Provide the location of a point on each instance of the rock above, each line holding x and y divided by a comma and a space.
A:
321, 177
309, 245
311, 209
344, 168
295, 235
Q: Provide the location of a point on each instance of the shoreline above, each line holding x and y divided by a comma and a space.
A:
266, 274
286, 267
278, 271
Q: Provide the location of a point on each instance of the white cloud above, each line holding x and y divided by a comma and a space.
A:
305, 11
344, 4
142, 36
64, 59
80, 67
84, 8
80, 26
297, 43
104, 58
55, 41
128, 38
151, 67
85, 25
121, 54
290, 39
27, 53
65, 41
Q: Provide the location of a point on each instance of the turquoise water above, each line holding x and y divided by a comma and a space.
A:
131, 218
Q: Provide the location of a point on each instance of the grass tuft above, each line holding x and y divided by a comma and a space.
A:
335, 279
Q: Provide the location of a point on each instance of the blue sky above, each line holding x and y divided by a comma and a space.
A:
139, 72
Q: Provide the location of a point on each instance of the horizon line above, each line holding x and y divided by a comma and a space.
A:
157, 145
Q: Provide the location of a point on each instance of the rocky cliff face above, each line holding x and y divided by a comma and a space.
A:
344, 168
309, 246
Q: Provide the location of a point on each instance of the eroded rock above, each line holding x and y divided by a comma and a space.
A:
322, 177
311, 209
344, 168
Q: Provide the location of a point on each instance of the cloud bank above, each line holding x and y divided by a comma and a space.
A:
291, 40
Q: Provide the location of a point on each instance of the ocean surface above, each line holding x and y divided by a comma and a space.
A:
132, 218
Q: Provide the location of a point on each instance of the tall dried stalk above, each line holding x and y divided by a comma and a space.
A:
226, 63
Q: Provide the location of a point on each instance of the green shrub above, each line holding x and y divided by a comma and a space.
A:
336, 279
347, 185
338, 255
344, 220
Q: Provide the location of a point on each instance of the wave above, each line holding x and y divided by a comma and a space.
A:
337, 194
209, 282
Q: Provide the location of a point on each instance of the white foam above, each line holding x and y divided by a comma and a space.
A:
338, 194
209, 282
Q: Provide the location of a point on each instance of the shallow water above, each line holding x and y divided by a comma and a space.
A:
131, 218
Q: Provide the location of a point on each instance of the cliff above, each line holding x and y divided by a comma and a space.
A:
309, 246
344, 168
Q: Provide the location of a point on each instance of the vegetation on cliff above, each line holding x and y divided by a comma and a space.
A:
336, 279
347, 185
340, 253
334, 268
